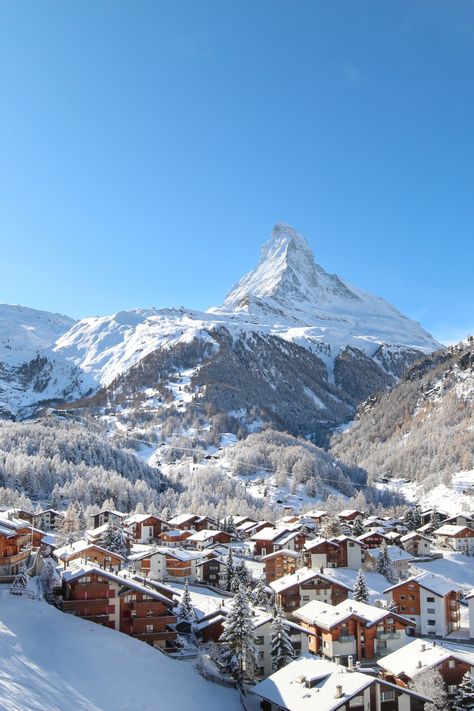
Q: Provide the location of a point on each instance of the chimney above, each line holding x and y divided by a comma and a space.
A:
350, 662
423, 647
321, 570
336, 660
338, 691
419, 664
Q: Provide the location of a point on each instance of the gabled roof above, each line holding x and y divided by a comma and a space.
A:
328, 616
76, 572
73, 549
301, 576
310, 683
308, 545
283, 551
414, 534
268, 534
203, 535
451, 530
140, 518
395, 553
420, 654
436, 584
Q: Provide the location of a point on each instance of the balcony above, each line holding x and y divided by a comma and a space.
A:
155, 636
74, 605
344, 638
16, 558
388, 635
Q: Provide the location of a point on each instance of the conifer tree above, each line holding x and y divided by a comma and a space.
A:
230, 573
185, 610
282, 647
240, 653
361, 591
22, 578
464, 699
385, 566
430, 683
392, 606
435, 520
243, 574
260, 595
358, 527
69, 527
115, 540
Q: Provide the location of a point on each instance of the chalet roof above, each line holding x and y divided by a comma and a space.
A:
181, 518
395, 553
176, 553
246, 526
344, 537
420, 654
329, 616
433, 582
308, 545
9, 525
203, 535
310, 682
349, 512
175, 533
287, 581
414, 534
369, 534
286, 538
75, 572
451, 530
470, 595
140, 518
72, 549
268, 534
112, 511
283, 551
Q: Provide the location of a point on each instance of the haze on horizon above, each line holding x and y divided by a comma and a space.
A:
147, 153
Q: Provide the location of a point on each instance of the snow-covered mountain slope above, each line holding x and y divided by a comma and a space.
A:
24, 332
287, 305
422, 431
55, 661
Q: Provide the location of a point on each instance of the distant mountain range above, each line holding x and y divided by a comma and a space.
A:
291, 344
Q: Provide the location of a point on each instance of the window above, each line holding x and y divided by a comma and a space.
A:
452, 688
356, 701
411, 586
387, 695
351, 545
149, 628
451, 664
431, 611
305, 598
259, 640
430, 599
402, 597
431, 622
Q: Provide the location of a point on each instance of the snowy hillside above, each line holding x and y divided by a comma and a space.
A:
24, 332
50, 660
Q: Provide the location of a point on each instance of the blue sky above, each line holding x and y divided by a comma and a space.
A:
148, 147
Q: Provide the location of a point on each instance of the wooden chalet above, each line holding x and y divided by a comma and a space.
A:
280, 563
293, 591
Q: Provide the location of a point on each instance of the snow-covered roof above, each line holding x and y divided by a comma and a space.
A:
349, 512
395, 553
329, 616
450, 530
283, 551
286, 538
287, 581
79, 571
181, 518
9, 525
310, 682
369, 534
120, 514
433, 582
246, 526
420, 654
203, 535
139, 518
268, 534
308, 545
176, 553
176, 533
72, 549
414, 534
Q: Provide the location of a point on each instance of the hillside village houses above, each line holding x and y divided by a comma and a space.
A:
136, 585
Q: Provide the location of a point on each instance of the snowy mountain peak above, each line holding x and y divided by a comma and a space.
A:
286, 277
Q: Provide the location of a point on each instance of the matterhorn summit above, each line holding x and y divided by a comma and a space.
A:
286, 277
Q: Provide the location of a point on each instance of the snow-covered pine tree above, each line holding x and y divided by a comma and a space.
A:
465, 548
240, 653
230, 572
185, 609
392, 606
430, 683
282, 647
243, 574
358, 527
330, 526
260, 595
230, 527
464, 699
69, 526
435, 520
361, 591
385, 566
22, 580
416, 517
115, 540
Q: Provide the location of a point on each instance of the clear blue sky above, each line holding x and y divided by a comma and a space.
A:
147, 147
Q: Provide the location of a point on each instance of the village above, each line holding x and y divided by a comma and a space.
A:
349, 609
